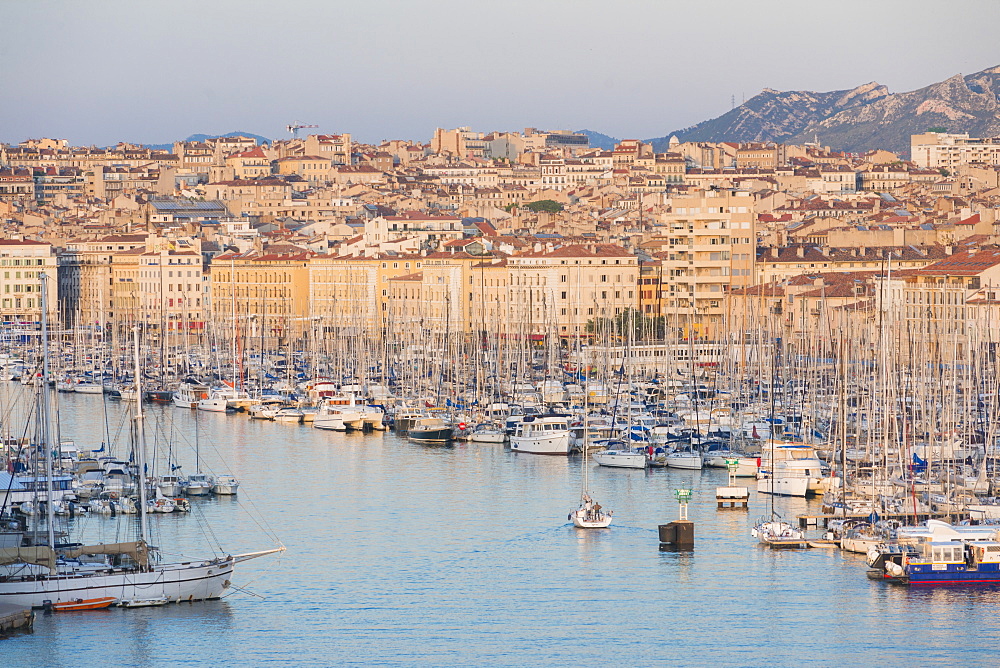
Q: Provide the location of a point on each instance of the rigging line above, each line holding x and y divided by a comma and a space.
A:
20, 447
276, 563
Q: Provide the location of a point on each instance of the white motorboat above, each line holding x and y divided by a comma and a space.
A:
143, 602
542, 435
198, 484
783, 486
160, 504
110, 503
288, 414
746, 467
264, 410
340, 413
88, 387
225, 485
217, 401
169, 485
373, 418
224, 399
188, 395
488, 433
792, 469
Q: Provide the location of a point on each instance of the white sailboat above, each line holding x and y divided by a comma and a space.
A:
126, 571
590, 514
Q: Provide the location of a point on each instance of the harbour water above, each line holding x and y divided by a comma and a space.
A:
401, 554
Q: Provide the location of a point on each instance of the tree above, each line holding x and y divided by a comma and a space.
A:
938, 129
544, 205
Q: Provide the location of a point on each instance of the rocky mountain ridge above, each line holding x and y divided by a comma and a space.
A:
859, 119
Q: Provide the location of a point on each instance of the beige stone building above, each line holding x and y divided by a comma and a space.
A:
262, 294
706, 246
16, 184
559, 291
335, 148
939, 150
936, 313
313, 168
85, 277
161, 287
22, 267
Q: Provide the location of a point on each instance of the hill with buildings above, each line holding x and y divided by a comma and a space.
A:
199, 137
600, 140
859, 119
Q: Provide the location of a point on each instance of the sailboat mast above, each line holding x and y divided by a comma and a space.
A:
140, 445
50, 516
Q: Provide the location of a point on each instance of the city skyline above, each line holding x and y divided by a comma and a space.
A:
392, 70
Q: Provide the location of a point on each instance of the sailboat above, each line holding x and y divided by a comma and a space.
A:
771, 529
52, 574
590, 514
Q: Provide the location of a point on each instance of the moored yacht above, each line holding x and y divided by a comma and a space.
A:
433, 430
188, 395
542, 435
617, 454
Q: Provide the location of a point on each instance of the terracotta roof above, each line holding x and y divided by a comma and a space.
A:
964, 263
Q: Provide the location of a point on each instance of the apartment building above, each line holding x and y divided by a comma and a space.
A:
336, 148
937, 150
16, 184
160, 286
85, 277
22, 267
706, 246
429, 230
936, 311
563, 289
262, 294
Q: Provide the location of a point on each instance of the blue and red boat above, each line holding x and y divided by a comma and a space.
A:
938, 553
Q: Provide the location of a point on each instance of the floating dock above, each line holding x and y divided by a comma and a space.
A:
732, 497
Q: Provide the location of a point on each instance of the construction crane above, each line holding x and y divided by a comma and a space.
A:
296, 126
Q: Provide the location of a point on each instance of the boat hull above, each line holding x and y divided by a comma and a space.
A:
330, 422
175, 582
684, 461
620, 460
784, 486
430, 435
549, 445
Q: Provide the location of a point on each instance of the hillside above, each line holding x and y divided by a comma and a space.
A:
859, 119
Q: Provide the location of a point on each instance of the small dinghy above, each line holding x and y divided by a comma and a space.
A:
84, 604
143, 602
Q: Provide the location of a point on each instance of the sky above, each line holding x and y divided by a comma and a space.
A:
155, 71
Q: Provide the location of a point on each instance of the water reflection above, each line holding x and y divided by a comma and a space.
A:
400, 554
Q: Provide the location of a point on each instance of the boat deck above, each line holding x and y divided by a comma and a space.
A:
787, 543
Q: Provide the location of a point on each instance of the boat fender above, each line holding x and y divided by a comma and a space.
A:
569, 518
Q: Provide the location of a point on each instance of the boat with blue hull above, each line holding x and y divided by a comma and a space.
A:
938, 553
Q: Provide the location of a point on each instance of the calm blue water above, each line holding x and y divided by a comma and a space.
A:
400, 554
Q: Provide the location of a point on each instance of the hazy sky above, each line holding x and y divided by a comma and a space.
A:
100, 71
